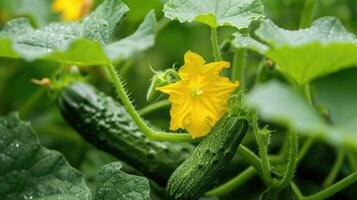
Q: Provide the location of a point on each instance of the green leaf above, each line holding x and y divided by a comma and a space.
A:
58, 41
69, 42
245, 42
215, 13
279, 104
30, 171
306, 54
101, 23
143, 38
338, 94
80, 51
114, 184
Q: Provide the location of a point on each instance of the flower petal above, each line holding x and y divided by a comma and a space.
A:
191, 69
214, 68
198, 124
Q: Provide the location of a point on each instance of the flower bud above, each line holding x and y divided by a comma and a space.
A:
160, 78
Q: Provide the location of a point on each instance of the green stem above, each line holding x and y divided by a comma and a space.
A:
249, 157
329, 191
162, 23
262, 153
289, 173
238, 66
307, 92
259, 72
235, 182
308, 13
305, 148
335, 169
155, 135
215, 48
352, 160
296, 191
154, 106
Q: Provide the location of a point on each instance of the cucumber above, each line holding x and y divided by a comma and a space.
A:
106, 124
199, 171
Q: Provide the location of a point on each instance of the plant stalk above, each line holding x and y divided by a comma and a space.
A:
308, 13
327, 192
262, 153
335, 169
235, 182
215, 47
289, 173
155, 135
238, 66
154, 106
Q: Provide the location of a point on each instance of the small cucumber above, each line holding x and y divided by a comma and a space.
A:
106, 124
199, 171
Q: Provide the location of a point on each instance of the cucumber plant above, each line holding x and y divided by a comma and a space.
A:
105, 123
277, 104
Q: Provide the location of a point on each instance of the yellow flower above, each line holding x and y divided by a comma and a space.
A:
199, 99
72, 9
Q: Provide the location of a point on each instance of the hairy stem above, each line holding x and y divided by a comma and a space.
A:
289, 173
235, 182
262, 152
215, 47
155, 135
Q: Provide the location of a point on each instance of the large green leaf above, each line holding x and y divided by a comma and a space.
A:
80, 51
79, 43
215, 13
58, 41
114, 184
282, 105
143, 38
30, 171
338, 94
306, 54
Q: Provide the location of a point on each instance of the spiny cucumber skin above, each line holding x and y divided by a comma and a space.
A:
199, 171
106, 124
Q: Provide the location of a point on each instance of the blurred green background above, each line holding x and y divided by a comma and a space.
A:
36, 104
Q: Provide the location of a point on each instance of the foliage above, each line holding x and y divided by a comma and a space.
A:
215, 13
305, 54
39, 171
295, 62
45, 174
77, 42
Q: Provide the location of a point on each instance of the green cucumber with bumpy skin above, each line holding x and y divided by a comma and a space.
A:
199, 171
105, 123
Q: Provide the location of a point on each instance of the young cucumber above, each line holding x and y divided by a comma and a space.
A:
106, 124
199, 171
